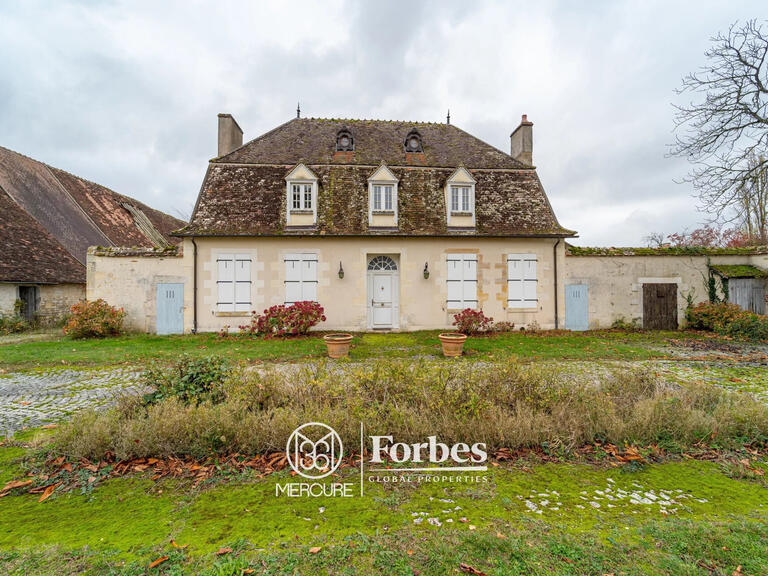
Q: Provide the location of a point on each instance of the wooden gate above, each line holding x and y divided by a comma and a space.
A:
660, 306
748, 293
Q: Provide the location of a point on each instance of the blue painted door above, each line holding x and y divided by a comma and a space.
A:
170, 308
576, 307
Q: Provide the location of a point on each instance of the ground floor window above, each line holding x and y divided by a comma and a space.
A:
462, 281
521, 281
300, 278
233, 282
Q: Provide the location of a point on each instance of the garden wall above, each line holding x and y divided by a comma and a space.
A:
614, 278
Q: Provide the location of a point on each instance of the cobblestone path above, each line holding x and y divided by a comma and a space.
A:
36, 398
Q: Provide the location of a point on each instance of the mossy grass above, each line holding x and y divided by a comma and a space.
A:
126, 523
138, 349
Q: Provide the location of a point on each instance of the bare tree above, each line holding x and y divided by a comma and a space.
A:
723, 131
654, 239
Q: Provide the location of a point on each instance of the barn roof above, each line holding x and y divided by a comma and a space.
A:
58, 207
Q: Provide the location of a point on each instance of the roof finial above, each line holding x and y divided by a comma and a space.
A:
448, 118
298, 110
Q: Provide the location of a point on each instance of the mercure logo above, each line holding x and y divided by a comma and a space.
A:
314, 450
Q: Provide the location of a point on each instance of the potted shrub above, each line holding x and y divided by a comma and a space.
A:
467, 322
453, 343
338, 344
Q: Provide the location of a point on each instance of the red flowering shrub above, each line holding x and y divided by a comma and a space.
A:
470, 321
284, 320
94, 319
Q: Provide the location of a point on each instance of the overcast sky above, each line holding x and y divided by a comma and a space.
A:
126, 93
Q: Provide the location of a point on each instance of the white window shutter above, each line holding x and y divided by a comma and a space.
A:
521, 280
309, 278
242, 284
530, 281
470, 281
225, 283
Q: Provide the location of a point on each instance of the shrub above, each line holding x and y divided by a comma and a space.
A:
504, 404
284, 320
94, 319
622, 323
503, 326
470, 321
727, 320
11, 324
188, 379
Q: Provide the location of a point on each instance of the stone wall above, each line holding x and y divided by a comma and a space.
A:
57, 299
8, 295
128, 279
615, 282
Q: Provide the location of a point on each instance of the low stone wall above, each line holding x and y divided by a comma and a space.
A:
128, 278
615, 278
57, 299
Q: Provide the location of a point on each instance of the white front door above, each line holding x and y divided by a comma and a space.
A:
383, 293
382, 300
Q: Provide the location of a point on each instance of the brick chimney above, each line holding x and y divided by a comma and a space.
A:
521, 141
230, 134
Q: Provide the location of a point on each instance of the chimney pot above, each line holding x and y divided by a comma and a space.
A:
230, 134
521, 141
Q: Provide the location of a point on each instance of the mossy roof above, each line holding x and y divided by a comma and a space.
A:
739, 271
666, 251
243, 193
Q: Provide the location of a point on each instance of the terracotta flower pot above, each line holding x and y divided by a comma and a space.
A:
338, 344
453, 343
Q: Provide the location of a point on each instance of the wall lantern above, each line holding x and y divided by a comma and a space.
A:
341, 270
426, 270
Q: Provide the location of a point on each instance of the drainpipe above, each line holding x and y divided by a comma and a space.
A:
554, 252
194, 286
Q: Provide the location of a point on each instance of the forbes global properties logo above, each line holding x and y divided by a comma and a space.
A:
314, 450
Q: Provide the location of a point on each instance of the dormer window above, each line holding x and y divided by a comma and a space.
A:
413, 142
301, 197
460, 199
382, 198
344, 141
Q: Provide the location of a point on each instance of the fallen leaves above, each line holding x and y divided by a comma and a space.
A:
156, 563
224, 550
315, 549
48, 490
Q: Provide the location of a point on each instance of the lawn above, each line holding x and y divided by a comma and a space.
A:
137, 349
530, 518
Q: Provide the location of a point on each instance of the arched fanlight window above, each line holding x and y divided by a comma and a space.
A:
344, 141
382, 263
413, 141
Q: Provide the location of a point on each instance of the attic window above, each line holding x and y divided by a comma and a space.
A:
344, 141
413, 142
